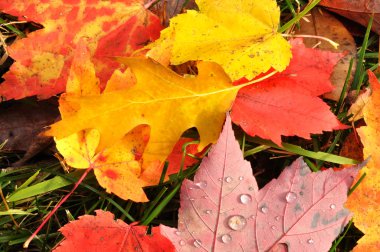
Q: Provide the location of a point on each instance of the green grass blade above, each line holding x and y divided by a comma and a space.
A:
43, 187
12, 28
29, 180
311, 154
360, 66
161, 206
299, 16
256, 150
17, 212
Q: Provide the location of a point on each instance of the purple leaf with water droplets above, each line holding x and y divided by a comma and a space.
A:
223, 210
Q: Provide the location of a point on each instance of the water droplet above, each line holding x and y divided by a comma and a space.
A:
291, 196
237, 222
332, 206
226, 238
204, 197
310, 241
201, 184
208, 211
264, 209
228, 179
197, 243
219, 179
245, 199
177, 233
191, 188
182, 242
191, 199
277, 218
252, 217
241, 178
273, 227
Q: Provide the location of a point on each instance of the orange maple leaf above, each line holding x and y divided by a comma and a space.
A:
43, 59
365, 200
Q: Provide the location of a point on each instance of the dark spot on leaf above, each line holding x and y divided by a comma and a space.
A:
315, 220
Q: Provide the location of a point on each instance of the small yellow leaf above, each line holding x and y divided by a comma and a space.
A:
240, 35
79, 148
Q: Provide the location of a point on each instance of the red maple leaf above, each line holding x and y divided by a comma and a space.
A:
103, 233
287, 103
43, 59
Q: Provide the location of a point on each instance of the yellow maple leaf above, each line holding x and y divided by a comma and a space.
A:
240, 35
115, 165
167, 102
115, 168
365, 200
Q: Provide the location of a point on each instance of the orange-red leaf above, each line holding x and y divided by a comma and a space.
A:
103, 233
365, 200
287, 103
43, 60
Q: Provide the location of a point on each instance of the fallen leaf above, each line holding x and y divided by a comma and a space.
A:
365, 200
175, 157
116, 28
359, 10
222, 32
223, 210
117, 166
352, 147
287, 103
357, 107
22, 122
103, 233
167, 102
322, 23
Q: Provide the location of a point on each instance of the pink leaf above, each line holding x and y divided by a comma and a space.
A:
222, 209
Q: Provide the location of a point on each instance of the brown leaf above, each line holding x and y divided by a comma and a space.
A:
21, 123
322, 23
358, 10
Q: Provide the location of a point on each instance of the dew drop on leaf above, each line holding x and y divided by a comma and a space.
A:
208, 211
273, 227
245, 199
197, 243
228, 179
177, 233
191, 199
291, 196
310, 241
182, 242
332, 206
264, 209
226, 238
237, 222
277, 218
241, 178
201, 184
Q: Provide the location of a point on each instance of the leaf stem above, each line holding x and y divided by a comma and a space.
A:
27, 242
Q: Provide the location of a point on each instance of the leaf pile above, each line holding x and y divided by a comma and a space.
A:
124, 111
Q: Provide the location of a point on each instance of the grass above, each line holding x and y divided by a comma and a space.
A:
30, 192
